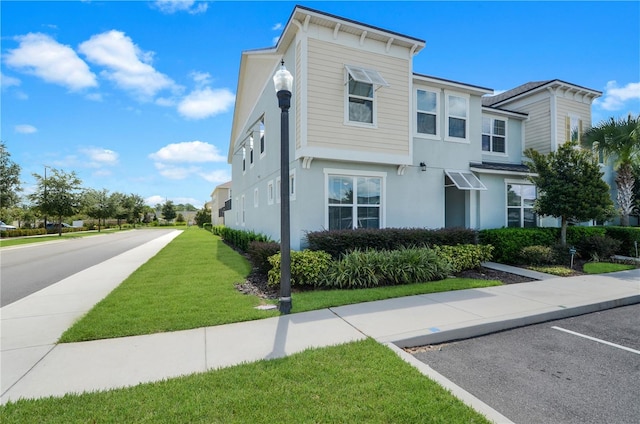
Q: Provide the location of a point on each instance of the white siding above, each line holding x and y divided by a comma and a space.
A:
568, 107
538, 127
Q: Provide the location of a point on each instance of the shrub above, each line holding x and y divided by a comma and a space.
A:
577, 234
464, 256
371, 268
599, 247
537, 255
339, 242
562, 255
259, 253
627, 236
509, 242
308, 268
238, 238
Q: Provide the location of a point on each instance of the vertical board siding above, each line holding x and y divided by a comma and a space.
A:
538, 127
326, 100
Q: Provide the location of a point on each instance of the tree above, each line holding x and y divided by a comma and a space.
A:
619, 139
168, 211
59, 195
203, 216
99, 205
180, 219
9, 180
570, 186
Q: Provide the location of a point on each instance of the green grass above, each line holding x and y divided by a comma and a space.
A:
604, 267
360, 382
560, 271
191, 284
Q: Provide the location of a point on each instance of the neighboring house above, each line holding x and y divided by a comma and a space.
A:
375, 144
220, 200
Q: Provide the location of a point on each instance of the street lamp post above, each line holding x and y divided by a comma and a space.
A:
283, 82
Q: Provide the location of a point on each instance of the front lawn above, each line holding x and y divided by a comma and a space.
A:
191, 284
360, 382
604, 267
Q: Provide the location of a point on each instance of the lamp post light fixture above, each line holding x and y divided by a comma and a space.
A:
283, 82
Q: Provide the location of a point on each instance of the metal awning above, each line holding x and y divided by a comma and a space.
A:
464, 180
369, 76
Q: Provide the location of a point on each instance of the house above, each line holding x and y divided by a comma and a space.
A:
220, 201
375, 144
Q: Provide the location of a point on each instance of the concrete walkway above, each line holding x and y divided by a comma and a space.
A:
33, 366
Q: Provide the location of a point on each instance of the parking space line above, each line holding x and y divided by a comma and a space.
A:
637, 352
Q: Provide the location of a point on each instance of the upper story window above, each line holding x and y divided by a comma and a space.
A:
573, 128
494, 135
244, 159
457, 109
360, 93
427, 105
251, 150
262, 140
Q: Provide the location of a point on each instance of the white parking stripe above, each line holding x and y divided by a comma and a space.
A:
598, 340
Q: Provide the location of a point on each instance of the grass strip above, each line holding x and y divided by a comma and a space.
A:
360, 382
191, 284
604, 267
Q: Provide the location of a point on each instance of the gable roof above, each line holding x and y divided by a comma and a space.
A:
534, 86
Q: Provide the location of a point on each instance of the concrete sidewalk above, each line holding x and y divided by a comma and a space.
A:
33, 366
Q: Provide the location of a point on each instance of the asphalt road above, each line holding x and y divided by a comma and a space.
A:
26, 269
550, 373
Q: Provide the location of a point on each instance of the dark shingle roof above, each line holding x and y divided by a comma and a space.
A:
491, 100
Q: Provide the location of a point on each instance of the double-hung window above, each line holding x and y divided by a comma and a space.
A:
494, 135
427, 112
354, 202
573, 128
262, 140
520, 200
251, 150
457, 109
361, 85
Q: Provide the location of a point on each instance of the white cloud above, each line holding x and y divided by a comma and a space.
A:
277, 26
205, 102
275, 40
176, 172
127, 65
99, 157
216, 176
25, 129
201, 78
42, 56
617, 98
173, 6
188, 151
7, 81
154, 200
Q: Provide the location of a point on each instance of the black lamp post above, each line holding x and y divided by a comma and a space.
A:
283, 82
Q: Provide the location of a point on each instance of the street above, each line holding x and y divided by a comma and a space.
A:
584, 369
28, 268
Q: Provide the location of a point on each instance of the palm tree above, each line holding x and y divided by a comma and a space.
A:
619, 139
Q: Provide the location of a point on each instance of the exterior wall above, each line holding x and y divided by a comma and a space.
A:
514, 141
218, 198
539, 126
568, 107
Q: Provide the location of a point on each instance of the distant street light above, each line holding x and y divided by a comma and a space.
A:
283, 82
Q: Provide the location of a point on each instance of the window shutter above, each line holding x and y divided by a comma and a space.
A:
579, 130
567, 129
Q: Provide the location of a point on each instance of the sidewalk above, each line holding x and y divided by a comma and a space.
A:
33, 366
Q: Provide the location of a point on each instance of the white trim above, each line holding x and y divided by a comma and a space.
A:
292, 184
357, 173
370, 76
278, 188
243, 212
270, 192
256, 197
466, 97
373, 99
353, 155
438, 113
492, 119
508, 182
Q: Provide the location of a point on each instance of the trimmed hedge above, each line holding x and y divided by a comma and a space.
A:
238, 238
339, 242
259, 253
23, 232
308, 268
627, 236
464, 256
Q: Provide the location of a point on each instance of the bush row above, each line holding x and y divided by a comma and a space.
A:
339, 242
590, 242
23, 232
238, 238
373, 268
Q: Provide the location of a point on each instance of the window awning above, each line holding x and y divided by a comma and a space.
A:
464, 180
369, 76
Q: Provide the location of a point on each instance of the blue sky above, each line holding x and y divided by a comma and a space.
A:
137, 97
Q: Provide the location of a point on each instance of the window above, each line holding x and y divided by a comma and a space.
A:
242, 210
361, 85
427, 112
354, 202
457, 108
256, 196
244, 160
262, 141
251, 150
278, 187
292, 185
270, 193
494, 133
573, 128
520, 199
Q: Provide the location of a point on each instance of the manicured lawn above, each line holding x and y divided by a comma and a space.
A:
604, 267
360, 382
190, 284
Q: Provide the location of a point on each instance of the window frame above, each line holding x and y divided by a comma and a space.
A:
292, 185
491, 135
278, 188
436, 113
354, 175
262, 134
256, 197
270, 193
243, 212
521, 208
364, 76
448, 115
